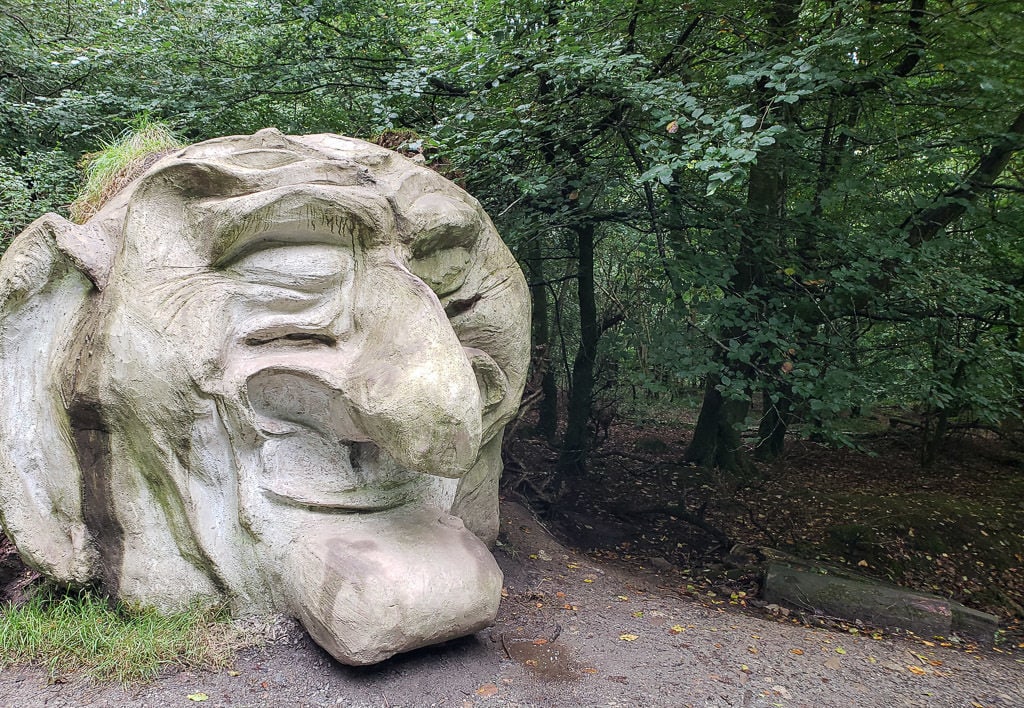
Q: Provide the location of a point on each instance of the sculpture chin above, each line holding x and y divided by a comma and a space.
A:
398, 580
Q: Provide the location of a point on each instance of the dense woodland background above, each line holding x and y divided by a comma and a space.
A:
775, 219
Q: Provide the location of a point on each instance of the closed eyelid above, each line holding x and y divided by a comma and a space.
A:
308, 213
439, 222
305, 267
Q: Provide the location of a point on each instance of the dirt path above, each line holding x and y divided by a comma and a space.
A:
576, 632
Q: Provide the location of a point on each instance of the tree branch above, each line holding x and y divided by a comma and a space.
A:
927, 222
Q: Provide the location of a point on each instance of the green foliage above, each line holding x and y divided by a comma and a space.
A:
72, 631
33, 184
750, 172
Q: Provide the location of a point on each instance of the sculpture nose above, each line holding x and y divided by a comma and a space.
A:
400, 379
412, 388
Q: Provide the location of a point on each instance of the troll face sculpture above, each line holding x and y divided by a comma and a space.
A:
273, 370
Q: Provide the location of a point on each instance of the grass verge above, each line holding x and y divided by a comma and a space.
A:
83, 631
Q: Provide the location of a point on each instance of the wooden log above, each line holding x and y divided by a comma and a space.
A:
838, 593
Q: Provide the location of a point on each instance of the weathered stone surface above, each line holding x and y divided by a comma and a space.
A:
273, 370
837, 593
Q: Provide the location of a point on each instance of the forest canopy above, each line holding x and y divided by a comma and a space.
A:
784, 214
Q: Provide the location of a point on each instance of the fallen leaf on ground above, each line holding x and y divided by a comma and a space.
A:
840, 650
589, 670
628, 637
798, 652
917, 670
198, 697
487, 690
676, 629
781, 690
539, 642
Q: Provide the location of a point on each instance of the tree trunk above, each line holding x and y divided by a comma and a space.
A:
575, 443
771, 432
716, 438
547, 407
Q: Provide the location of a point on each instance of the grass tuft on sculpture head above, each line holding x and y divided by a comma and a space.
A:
109, 170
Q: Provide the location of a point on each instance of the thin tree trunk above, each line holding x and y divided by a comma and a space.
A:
547, 407
575, 443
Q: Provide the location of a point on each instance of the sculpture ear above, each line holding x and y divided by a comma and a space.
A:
43, 293
88, 247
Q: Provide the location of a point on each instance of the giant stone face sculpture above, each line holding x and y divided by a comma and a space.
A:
273, 370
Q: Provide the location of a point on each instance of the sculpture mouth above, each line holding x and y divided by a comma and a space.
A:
357, 500
315, 472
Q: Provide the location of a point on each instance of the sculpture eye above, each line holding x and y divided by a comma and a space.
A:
311, 268
443, 270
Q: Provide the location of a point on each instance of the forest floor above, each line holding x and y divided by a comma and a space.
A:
631, 606
955, 528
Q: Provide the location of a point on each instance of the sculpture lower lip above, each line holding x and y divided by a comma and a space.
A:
365, 499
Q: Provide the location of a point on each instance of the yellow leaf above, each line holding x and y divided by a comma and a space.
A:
621, 598
798, 652
234, 673
589, 670
917, 670
198, 697
862, 564
487, 690
840, 650
588, 580
628, 637
672, 127
677, 629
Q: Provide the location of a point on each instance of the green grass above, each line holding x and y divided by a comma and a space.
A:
80, 630
119, 162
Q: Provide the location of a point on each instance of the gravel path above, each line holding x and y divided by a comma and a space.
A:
576, 632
